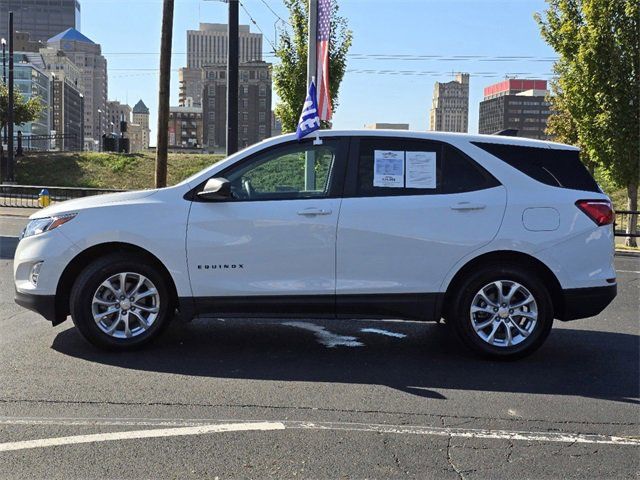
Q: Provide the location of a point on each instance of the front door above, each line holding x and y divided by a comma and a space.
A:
271, 247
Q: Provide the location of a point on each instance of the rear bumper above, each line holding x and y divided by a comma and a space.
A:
45, 305
586, 302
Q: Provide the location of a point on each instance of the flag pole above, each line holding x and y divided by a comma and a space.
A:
312, 62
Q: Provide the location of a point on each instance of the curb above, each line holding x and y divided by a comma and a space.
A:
627, 253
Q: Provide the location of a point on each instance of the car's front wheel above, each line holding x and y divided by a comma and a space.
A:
502, 312
120, 302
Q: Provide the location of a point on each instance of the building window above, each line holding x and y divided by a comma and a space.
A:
261, 116
262, 103
245, 103
262, 90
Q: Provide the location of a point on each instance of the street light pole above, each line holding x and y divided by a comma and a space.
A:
99, 130
4, 79
10, 166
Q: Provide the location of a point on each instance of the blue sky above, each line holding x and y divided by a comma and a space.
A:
486, 30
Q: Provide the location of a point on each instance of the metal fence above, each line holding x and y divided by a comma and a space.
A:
42, 143
623, 217
27, 195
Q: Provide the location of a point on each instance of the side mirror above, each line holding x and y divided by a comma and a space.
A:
216, 189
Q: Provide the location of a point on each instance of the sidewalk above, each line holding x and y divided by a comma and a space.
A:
17, 211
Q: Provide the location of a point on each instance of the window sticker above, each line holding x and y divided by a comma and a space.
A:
421, 169
388, 168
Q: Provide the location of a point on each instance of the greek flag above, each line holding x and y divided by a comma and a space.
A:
309, 119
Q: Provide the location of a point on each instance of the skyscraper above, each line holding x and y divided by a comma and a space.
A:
515, 104
209, 46
41, 19
450, 105
88, 57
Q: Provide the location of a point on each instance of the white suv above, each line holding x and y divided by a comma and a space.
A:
497, 235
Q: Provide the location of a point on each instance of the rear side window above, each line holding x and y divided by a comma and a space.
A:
558, 168
397, 166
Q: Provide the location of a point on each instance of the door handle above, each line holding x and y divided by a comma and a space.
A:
468, 206
314, 211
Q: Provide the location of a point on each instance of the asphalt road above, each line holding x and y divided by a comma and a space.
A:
259, 399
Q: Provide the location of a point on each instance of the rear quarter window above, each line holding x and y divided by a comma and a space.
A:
555, 167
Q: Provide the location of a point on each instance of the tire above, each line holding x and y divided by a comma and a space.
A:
97, 306
509, 341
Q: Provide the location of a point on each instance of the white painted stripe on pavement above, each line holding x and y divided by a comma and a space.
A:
627, 271
201, 426
472, 433
137, 434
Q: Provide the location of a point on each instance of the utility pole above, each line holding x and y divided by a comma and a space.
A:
232, 79
10, 166
312, 62
162, 144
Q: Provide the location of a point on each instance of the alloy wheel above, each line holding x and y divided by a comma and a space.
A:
504, 313
125, 305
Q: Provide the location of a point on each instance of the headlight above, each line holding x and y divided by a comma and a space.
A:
41, 225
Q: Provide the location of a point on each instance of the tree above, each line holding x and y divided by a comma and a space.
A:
597, 90
23, 110
290, 75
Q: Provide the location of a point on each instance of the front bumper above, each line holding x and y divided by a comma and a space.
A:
45, 305
586, 302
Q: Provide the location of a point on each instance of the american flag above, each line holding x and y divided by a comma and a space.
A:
322, 49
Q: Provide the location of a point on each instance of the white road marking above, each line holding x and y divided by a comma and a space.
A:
383, 332
627, 271
137, 434
203, 426
325, 337
472, 433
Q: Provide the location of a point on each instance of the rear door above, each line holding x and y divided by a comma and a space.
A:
412, 209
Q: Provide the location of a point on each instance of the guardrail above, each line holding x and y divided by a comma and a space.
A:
27, 195
623, 217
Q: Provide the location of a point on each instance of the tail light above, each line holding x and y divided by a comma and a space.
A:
600, 211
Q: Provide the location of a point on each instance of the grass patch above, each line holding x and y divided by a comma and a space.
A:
105, 169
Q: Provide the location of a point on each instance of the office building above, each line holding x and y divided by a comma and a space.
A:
185, 127
209, 45
22, 43
254, 105
32, 81
516, 104
41, 19
67, 113
117, 112
141, 118
387, 126
450, 105
190, 87
87, 55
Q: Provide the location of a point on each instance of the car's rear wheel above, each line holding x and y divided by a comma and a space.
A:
502, 312
119, 302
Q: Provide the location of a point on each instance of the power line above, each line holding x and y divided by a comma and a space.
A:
273, 11
257, 26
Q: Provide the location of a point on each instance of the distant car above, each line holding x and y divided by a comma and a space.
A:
497, 235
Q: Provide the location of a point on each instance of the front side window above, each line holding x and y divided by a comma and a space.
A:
282, 173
